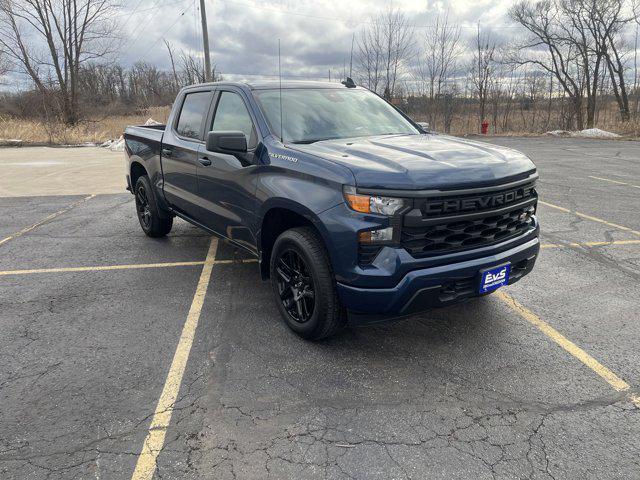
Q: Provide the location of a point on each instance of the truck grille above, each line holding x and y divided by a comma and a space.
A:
433, 229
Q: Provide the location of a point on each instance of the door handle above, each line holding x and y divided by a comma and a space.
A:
167, 152
204, 161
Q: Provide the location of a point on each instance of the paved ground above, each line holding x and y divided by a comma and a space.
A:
539, 382
60, 171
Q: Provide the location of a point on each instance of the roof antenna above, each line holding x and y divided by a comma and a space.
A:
280, 79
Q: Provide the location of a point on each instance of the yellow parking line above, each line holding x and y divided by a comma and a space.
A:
99, 268
614, 181
153, 443
617, 383
45, 220
589, 217
590, 244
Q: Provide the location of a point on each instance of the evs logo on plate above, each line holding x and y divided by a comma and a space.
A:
494, 278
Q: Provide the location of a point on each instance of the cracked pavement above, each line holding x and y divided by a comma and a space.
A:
467, 392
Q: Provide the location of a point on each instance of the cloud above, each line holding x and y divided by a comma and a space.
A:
315, 36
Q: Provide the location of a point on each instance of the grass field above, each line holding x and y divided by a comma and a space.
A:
95, 130
99, 128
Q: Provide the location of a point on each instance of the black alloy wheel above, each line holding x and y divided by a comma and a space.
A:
295, 286
142, 206
304, 287
154, 221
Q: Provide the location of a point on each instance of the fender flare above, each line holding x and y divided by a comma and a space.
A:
298, 208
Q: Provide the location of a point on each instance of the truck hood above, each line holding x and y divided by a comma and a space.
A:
416, 162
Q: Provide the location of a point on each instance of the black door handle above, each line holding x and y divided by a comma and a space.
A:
204, 161
167, 152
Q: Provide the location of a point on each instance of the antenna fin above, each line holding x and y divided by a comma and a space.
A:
349, 83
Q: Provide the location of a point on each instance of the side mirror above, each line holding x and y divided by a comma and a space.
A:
227, 142
424, 126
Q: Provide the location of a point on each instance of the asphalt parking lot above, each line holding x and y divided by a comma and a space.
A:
123, 356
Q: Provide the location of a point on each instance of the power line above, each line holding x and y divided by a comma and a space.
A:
146, 21
131, 14
135, 11
164, 33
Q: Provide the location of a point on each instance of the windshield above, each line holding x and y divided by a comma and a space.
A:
310, 115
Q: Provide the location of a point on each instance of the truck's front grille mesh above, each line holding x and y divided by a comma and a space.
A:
430, 235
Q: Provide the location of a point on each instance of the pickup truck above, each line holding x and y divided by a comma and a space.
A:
355, 212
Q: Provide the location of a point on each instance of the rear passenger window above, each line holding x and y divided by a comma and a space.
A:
232, 115
194, 109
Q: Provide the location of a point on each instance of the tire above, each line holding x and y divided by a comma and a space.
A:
326, 317
149, 214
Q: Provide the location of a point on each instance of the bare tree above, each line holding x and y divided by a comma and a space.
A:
439, 55
549, 49
370, 53
383, 49
4, 65
49, 40
173, 65
482, 69
4, 62
192, 70
608, 24
578, 42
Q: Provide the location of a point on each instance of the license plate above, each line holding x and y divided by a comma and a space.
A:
494, 278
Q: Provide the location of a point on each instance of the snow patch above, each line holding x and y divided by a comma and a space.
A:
118, 145
597, 133
559, 133
588, 133
114, 145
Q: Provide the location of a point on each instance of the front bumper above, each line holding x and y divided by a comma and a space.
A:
437, 286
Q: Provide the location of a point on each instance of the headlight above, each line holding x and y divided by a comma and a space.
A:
372, 204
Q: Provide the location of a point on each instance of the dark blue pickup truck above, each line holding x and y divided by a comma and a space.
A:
354, 211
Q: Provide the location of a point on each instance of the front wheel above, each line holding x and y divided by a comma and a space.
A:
304, 286
152, 223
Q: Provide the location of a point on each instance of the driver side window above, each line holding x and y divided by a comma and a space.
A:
232, 115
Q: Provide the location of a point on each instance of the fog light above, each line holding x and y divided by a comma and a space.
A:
376, 236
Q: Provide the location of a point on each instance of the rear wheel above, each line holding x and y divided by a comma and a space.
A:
149, 214
304, 286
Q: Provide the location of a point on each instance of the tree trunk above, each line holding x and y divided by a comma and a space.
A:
591, 112
577, 106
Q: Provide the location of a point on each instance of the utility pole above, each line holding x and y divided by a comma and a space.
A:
205, 41
353, 38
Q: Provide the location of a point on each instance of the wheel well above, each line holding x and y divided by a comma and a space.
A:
276, 221
137, 170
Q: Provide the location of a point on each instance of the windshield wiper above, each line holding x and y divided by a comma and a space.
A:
312, 140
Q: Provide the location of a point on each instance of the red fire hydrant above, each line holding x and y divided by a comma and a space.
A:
485, 127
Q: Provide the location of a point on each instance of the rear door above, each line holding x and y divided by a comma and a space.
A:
226, 183
182, 139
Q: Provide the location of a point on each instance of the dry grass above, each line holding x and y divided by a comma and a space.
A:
94, 130
527, 123
101, 128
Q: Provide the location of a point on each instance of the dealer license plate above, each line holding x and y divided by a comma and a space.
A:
494, 278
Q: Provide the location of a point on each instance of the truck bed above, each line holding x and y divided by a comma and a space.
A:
146, 132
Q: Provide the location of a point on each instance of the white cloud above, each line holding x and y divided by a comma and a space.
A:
315, 35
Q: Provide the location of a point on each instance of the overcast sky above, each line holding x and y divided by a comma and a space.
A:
315, 35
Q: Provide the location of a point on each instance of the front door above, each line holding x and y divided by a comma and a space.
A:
180, 145
227, 185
